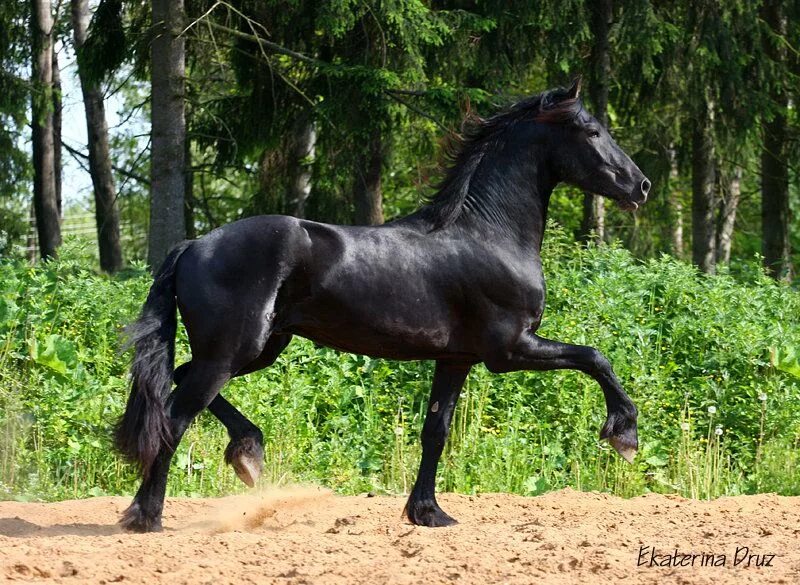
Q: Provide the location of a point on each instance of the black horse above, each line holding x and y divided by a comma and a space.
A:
459, 282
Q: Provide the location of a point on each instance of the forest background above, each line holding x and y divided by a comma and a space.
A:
337, 111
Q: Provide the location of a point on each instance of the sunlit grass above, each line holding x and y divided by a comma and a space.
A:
716, 416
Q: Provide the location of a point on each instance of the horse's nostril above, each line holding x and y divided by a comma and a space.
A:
646, 187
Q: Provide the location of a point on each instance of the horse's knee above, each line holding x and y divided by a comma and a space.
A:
598, 363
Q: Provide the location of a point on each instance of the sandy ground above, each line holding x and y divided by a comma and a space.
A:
305, 535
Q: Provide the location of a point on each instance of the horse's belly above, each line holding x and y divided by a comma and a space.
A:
385, 341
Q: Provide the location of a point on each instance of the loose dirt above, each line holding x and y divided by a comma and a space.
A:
311, 536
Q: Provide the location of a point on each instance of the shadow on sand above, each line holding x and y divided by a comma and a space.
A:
19, 528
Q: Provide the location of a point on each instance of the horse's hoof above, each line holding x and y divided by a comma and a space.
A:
626, 451
620, 431
247, 469
246, 456
134, 519
427, 513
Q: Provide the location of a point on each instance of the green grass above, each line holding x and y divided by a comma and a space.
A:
696, 354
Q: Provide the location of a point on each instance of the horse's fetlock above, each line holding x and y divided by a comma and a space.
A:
136, 519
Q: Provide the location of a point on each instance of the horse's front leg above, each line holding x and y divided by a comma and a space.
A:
421, 507
532, 352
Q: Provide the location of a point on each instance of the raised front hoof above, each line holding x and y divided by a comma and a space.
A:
625, 449
621, 433
134, 519
246, 456
427, 513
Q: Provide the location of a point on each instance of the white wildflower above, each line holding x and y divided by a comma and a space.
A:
762, 397
684, 426
718, 430
712, 409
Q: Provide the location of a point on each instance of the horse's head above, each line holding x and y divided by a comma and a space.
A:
585, 155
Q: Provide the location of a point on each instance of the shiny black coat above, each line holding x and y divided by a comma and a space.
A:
459, 282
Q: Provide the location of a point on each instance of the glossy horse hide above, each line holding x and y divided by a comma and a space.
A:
458, 282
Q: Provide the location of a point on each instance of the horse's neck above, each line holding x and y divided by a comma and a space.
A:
517, 211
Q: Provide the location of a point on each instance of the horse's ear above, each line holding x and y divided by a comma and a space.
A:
468, 114
574, 91
466, 107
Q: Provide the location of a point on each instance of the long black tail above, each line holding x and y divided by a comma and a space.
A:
144, 427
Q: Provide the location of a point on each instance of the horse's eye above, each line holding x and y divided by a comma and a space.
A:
594, 134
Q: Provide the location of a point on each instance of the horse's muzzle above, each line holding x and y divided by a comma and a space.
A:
637, 197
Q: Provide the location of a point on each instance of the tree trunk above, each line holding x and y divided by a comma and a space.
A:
731, 189
774, 168
703, 205
106, 213
775, 199
367, 188
301, 156
675, 207
57, 117
189, 201
593, 224
44, 173
168, 131
271, 194
594, 211
31, 243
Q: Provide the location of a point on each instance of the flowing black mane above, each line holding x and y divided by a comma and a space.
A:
465, 151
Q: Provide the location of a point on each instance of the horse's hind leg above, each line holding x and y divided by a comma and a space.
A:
245, 452
421, 507
197, 389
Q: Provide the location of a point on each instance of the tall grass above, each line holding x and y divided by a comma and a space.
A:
710, 361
